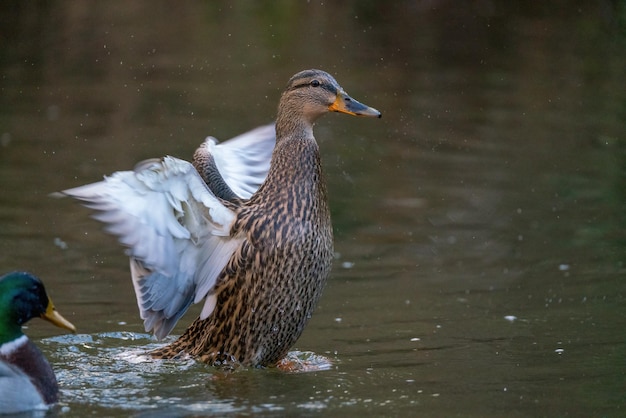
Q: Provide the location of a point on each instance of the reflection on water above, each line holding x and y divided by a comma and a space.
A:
480, 224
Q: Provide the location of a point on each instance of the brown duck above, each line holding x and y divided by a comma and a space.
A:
252, 239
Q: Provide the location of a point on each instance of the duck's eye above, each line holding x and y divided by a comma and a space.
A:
315, 83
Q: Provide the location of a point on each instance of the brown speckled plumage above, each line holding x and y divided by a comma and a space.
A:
270, 287
281, 238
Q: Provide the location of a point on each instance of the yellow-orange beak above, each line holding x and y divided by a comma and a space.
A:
56, 318
346, 104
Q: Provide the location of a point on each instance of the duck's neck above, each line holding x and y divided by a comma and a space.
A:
295, 170
9, 331
296, 154
295, 173
295, 161
8, 347
291, 125
293, 119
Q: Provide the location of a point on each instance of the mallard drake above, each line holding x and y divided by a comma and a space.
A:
258, 258
27, 381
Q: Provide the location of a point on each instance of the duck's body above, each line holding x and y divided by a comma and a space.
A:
269, 288
27, 381
261, 262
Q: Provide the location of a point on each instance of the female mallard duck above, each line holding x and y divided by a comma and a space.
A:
259, 259
26, 379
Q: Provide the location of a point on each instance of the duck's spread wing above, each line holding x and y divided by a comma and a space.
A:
176, 231
244, 160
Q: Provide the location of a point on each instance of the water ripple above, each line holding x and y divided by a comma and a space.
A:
113, 371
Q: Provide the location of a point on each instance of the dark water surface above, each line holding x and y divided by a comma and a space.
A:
480, 225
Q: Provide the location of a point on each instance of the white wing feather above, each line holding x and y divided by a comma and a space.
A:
173, 227
244, 160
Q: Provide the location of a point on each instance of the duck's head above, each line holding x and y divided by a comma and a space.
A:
23, 297
311, 93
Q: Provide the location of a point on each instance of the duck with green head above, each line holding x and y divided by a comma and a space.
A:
257, 249
27, 381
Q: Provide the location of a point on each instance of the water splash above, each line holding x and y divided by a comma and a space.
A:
113, 371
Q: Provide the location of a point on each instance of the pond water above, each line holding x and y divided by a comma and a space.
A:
480, 225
